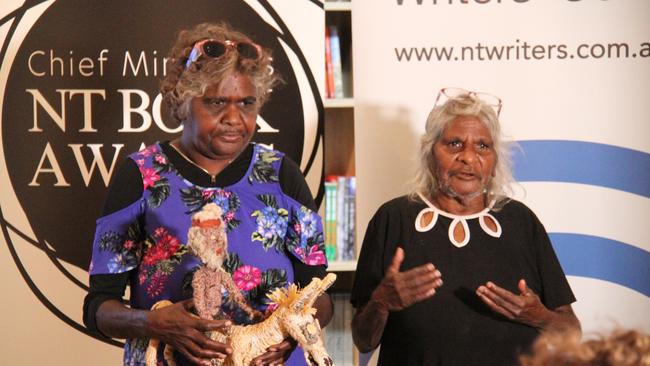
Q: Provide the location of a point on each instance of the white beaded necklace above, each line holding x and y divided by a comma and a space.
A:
457, 220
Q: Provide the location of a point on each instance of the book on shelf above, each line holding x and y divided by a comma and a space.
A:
340, 211
330, 220
337, 68
329, 71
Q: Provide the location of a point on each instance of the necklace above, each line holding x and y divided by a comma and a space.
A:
212, 176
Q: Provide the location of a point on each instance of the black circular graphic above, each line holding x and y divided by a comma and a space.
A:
82, 94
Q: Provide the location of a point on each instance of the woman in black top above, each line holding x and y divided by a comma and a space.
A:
503, 283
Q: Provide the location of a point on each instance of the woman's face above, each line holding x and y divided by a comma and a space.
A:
222, 122
465, 158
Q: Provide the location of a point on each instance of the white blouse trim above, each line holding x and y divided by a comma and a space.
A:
457, 220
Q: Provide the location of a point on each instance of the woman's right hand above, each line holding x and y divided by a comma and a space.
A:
399, 290
177, 326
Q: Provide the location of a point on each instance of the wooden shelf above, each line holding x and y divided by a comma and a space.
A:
342, 266
338, 6
338, 103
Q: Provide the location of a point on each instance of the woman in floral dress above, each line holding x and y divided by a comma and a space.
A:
217, 80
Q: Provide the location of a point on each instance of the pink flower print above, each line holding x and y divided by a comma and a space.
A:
315, 256
159, 232
160, 159
142, 277
157, 284
128, 245
149, 151
230, 215
207, 194
247, 277
149, 177
155, 255
169, 245
140, 162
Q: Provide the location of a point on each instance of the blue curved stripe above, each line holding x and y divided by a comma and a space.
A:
604, 259
583, 162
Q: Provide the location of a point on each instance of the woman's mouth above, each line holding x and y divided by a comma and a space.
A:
231, 136
465, 175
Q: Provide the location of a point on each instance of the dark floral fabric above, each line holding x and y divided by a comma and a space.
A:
305, 239
263, 170
264, 226
152, 178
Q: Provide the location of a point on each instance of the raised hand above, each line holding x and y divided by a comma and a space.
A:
177, 326
526, 307
399, 290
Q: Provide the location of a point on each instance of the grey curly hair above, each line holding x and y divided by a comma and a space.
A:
426, 182
180, 85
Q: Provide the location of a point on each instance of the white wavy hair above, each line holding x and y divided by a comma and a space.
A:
426, 182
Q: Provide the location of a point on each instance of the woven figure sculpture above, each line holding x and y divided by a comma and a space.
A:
293, 317
207, 240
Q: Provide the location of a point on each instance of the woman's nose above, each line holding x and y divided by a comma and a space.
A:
467, 155
231, 114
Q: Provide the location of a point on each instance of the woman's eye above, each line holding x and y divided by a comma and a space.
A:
483, 146
249, 101
215, 102
455, 144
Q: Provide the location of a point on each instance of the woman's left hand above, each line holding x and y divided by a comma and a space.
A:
277, 354
525, 308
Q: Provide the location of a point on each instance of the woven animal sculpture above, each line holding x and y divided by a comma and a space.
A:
207, 240
293, 317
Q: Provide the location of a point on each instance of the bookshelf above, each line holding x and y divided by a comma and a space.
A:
339, 106
340, 162
343, 266
338, 5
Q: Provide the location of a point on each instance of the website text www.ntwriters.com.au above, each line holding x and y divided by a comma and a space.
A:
523, 51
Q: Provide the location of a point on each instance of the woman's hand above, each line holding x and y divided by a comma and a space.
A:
526, 307
277, 354
396, 291
177, 326
399, 290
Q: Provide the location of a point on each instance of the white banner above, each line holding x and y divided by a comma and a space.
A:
574, 78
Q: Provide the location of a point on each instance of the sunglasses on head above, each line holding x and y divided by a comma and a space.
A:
215, 49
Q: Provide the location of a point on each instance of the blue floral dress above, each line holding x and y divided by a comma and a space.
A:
264, 226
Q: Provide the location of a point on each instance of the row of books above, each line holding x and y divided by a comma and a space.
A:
333, 68
340, 212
